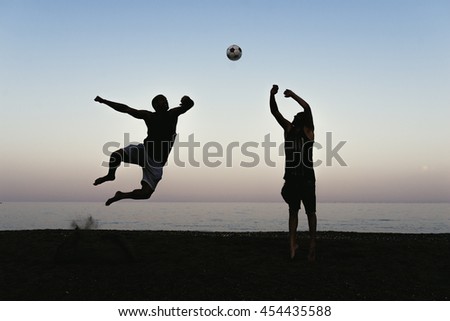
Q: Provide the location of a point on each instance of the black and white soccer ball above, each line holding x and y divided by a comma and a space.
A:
234, 52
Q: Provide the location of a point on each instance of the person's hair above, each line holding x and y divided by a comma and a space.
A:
299, 119
157, 99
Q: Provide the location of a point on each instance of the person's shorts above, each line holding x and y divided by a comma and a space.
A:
295, 192
151, 171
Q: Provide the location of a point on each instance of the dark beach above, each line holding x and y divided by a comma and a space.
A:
153, 265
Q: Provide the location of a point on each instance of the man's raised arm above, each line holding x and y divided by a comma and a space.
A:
307, 109
185, 104
274, 109
122, 108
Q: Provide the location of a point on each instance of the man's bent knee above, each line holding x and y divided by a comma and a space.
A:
118, 152
147, 194
118, 155
146, 190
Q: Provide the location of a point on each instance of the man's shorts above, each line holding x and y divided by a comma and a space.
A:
151, 171
294, 192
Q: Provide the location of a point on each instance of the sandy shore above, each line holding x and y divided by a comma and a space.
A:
151, 265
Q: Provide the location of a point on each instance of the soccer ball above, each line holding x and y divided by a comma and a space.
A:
234, 52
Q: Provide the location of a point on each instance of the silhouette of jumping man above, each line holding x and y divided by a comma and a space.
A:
153, 153
299, 177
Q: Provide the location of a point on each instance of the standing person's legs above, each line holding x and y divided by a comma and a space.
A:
293, 224
309, 202
291, 195
312, 223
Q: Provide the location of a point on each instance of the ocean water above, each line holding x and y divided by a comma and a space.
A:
229, 217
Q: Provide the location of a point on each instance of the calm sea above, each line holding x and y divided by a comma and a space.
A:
233, 217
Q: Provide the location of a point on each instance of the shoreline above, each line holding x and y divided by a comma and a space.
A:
371, 218
186, 265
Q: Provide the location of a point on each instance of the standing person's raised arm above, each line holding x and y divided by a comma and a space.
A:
122, 108
307, 109
274, 109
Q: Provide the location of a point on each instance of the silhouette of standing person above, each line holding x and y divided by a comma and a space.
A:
299, 177
153, 153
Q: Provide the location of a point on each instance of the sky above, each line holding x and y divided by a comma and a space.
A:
376, 74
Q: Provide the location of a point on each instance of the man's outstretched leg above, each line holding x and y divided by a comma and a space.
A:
138, 194
114, 163
312, 222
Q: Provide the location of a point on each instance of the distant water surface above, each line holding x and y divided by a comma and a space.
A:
232, 217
